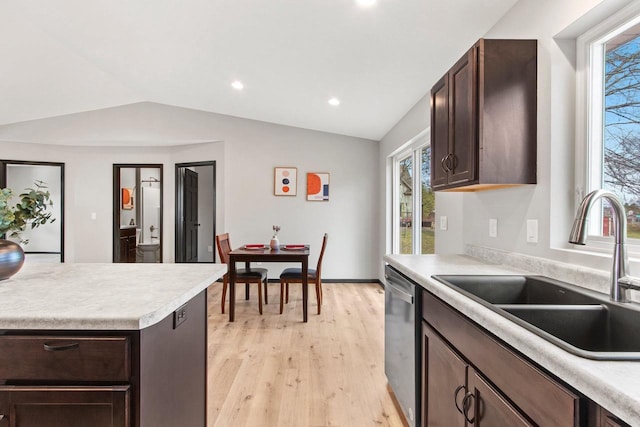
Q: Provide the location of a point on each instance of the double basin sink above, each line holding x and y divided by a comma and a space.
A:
583, 322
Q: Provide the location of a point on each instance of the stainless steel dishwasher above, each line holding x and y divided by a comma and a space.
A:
401, 341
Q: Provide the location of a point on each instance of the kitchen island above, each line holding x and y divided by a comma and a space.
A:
613, 385
105, 344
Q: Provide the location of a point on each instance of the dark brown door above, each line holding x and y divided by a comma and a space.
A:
440, 132
463, 119
444, 380
191, 215
488, 408
25, 406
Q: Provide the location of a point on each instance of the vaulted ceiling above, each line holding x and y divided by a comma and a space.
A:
60, 57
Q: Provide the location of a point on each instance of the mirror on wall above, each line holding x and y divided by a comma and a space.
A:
137, 213
195, 212
46, 243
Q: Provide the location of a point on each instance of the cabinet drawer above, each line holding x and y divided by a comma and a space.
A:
65, 358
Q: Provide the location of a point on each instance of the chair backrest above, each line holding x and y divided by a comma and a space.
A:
224, 247
324, 246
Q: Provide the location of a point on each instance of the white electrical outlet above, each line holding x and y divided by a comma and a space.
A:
93, 215
444, 223
532, 231
209, 248
493, 227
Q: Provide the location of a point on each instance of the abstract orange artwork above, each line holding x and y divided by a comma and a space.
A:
317, 186
127, 198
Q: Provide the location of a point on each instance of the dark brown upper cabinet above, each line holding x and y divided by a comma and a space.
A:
484, 118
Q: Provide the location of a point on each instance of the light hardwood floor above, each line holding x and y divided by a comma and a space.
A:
274, 370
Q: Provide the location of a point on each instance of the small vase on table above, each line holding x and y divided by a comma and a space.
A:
275, 244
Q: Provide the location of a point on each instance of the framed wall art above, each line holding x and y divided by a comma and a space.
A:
285, 181
127, 198
318, 186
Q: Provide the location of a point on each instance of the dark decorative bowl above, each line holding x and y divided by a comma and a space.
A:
11, 258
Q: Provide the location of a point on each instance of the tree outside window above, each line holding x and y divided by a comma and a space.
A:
621, 133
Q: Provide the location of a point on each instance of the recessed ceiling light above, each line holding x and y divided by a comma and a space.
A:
334, 101
365, 3
237, 85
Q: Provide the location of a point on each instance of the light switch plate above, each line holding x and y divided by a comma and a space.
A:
493, 227
532, 231
444, 223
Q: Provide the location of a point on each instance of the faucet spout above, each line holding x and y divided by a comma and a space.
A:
578, 236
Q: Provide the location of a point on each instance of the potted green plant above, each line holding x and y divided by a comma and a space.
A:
14, 219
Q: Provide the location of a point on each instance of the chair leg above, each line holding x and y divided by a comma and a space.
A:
286, 293
224, 294
318, 296
281, 296
246, 291
266, 297
260, 297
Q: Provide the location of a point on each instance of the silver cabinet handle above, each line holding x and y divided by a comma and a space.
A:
467, 403
454, 162
455, 396
443, 163
61, 347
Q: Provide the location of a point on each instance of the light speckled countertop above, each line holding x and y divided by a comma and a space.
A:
100, 296
613, 385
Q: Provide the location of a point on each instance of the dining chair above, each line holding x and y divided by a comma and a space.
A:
253, 275
294, 275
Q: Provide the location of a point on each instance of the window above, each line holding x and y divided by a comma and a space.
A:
414, 211
609, 57
405, 203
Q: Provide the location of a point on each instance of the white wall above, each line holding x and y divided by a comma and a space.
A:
246, 205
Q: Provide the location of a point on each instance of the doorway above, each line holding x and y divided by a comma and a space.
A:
46, 242
195, 212
137, 213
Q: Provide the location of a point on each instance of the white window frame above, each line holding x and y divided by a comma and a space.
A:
589, 117
412, 148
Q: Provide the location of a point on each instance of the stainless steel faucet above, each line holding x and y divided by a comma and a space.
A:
620, 282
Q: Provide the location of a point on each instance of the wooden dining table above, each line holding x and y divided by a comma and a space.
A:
266, 254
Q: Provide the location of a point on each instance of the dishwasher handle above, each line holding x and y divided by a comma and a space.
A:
404, 296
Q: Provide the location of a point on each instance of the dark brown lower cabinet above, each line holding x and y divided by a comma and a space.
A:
486, 407
456, 395
444, 376
153, 377
127, 245
59, 406
470, 378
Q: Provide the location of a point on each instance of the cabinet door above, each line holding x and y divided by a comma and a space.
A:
124, 249
463, 119
131, 249
39, 406
607, 419
440, 132
443, 374
486, 407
